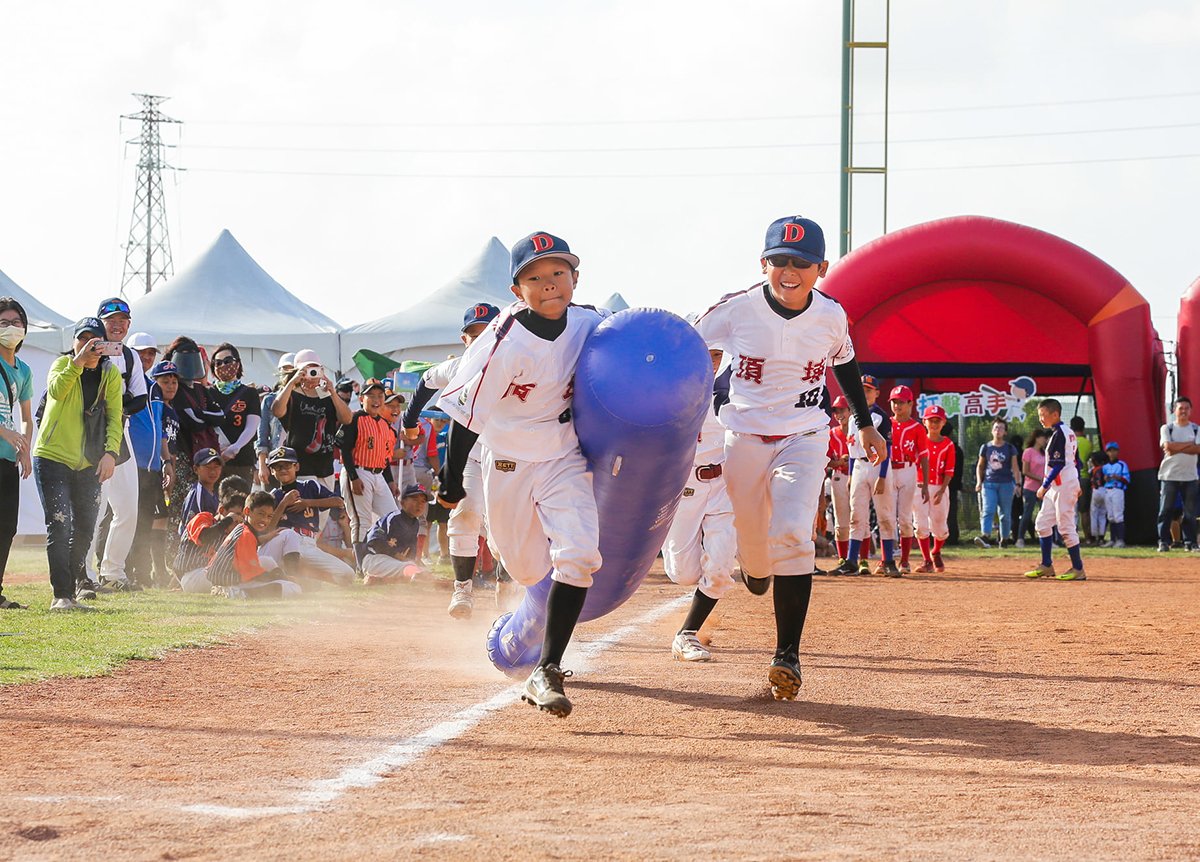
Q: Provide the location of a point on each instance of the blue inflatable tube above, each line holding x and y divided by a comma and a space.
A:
641, 394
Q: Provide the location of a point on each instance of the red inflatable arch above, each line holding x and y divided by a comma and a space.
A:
1187, 351
970, 300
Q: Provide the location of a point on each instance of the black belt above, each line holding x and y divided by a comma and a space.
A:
709, 472
373, 469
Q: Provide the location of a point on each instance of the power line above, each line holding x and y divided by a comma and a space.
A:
671, 149
428, 124
700, 175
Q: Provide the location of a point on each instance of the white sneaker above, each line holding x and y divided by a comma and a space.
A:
1020, 543
462, 601
69, 605
687, 647
229, 592
1120, 543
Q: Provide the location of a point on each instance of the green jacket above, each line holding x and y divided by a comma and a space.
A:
60, 434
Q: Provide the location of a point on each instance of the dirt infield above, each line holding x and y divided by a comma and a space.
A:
970, 715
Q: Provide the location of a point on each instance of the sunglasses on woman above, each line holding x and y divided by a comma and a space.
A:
779, 261
228, 360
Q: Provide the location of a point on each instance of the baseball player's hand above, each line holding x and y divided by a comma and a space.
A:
880, 487
873, 444
356, 486
925, 494
1041, 492
937, 497
291, 498
412, 434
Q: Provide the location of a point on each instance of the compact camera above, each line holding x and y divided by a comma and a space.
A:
313, 371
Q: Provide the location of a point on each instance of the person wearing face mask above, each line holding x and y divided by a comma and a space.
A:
75, 454
16, 428
237, 431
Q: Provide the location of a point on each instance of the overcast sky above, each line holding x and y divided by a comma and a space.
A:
357, 149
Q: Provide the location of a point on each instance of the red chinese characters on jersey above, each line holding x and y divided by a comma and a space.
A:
750, 369
814, 371
521, 390
569, 394
908, 442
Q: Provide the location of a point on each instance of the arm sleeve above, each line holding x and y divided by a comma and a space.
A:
886, 463
849, 377
347, 439
416, 404
458, 449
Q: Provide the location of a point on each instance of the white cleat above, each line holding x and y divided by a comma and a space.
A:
687, 647
463, 600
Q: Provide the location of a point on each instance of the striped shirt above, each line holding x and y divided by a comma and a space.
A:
201, 537
367, 442
236, 561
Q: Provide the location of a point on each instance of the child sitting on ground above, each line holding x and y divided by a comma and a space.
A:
257, 558
391, 551
204, 533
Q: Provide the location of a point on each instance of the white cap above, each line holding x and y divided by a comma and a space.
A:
141, 341
288, 360
307, 357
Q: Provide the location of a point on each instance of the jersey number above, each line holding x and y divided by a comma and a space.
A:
811, 398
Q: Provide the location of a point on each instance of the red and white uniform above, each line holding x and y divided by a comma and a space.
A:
512, 388
468, 520
777, 436
839, 483
908, 445
701, 545
932, 517
863, 478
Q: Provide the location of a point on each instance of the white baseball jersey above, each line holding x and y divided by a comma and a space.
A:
514, 388
852, 441
710, 446
779, 364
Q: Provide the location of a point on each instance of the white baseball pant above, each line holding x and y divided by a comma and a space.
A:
933, 517
775, 487
1114, 504
839, 492
1099, 511
269, 555
701, 544
468, 520
373, 503
862, 496
1058, 510
323, 566
904, 487
120, 493
383, 566
542, 518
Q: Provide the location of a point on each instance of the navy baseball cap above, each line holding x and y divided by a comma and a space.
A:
872, 381
481, 313
90, 325
282, 455
798, 236
372, 383
114, 305
205, 456
419, 490
1112, 444
539, 245
162, 369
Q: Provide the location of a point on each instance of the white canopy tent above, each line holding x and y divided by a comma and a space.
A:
429, 328
615, 303
49, 335
225, 295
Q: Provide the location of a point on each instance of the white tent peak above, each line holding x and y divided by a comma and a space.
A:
225, 295
434, 320
39, 314
615, 303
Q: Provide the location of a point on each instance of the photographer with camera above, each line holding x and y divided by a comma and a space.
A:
311, 414
75, 454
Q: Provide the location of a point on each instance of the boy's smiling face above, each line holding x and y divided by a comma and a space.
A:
792, 283
259, 517
547, 286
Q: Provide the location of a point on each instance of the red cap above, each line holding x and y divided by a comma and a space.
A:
901, 393
841, 401
934, 410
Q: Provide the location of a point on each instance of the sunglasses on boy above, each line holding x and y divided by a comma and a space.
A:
779, 261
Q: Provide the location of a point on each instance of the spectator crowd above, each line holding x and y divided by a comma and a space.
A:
170, 470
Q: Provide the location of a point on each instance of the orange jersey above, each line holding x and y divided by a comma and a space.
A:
941, 461
839, 447
909, 441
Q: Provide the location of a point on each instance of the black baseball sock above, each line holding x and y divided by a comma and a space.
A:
563, 606
791, 609
702, 606
464, 568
